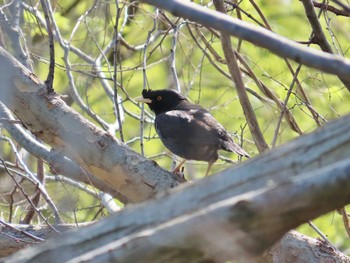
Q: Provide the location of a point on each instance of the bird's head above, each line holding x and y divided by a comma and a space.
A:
160, 100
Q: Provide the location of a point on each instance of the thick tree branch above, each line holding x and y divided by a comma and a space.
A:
15, 237
95, 150
294, 247
236, 228
259, 36
58, 163
249, 206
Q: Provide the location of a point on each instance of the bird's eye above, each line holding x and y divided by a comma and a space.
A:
159, 98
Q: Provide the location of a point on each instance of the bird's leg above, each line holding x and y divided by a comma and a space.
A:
208, 169
177, 168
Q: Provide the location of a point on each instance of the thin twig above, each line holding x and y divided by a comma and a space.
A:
116, 98
35, 238
36, 197
313, 112
345, 218
145, 82
345, 7
51, 74
35, 180
261, 37
108, 202
333, 9
318, 33
242, 94
27, 197
67, 48
173, 57
318, 231
284, 109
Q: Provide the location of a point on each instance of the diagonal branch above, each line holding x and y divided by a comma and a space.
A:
51, 74
318, 33
241, 211
96, 151
237, 78
59, 164
264, 38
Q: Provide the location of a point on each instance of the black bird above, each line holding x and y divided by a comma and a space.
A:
187, 129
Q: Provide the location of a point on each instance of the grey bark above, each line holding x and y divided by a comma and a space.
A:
293, 247
19, 236
97, 152
244, 203
242, 211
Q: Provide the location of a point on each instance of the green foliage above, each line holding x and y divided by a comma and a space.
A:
198, 76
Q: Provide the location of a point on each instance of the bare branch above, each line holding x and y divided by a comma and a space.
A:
51, 75
242, 94
318, 33
30, 201
58, 163
36, 197
259, 36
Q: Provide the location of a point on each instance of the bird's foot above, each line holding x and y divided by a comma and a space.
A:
180, 172
178, 167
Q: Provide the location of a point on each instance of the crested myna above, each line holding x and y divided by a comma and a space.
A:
187, 129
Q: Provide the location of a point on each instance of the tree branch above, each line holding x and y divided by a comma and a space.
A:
15, 237
318, 33
264, 38
249, 207
95, 150
236, 76
299, 248
51, 75
58, 163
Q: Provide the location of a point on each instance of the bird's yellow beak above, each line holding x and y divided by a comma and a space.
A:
142, 99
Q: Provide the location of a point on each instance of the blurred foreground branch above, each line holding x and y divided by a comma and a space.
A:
237, 214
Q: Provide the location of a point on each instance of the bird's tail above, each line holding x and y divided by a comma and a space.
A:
231, 146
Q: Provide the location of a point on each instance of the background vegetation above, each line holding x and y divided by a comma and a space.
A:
153, 49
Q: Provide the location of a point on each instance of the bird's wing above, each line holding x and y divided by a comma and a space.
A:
189, 126
187, 135
183, 131
226, 141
